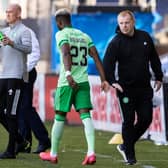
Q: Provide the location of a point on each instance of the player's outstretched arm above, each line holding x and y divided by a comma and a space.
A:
104, 84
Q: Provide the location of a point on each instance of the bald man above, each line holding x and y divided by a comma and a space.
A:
132, 52
16, 45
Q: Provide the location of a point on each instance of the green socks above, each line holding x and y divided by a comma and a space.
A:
57, 131
90, 135
56, 135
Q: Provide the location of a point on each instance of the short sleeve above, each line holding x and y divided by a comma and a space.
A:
61, 38
89, 41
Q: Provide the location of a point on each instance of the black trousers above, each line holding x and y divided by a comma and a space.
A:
135, 101
28, 118
9, 99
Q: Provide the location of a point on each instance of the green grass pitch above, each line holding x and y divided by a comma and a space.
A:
73, 149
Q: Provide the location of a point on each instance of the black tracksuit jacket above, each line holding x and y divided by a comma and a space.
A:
134, 55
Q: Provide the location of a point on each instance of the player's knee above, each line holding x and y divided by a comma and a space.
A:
60, 117
85, 115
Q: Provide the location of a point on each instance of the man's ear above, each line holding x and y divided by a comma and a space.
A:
19, 15
60, 22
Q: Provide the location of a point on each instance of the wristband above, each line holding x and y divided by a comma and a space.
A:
67, 73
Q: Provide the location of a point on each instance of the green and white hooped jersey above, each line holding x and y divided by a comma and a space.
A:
79, 43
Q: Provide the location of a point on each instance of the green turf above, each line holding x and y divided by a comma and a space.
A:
73, 148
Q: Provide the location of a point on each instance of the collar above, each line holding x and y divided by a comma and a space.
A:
120, 33
12, 26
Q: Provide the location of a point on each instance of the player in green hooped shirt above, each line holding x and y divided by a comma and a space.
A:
73, 86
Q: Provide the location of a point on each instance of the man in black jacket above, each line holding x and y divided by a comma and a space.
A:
134, 53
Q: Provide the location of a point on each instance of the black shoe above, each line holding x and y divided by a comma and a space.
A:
7, 155
42, 148
121, 149
24, 147
131, 161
